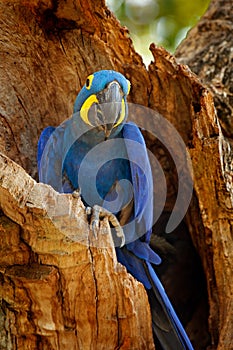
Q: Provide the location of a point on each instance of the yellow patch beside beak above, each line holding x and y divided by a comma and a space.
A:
85, 108
122, 116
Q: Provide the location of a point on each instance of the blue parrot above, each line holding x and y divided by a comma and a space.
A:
100, 156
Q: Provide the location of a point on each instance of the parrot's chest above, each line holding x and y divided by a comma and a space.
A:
99, 170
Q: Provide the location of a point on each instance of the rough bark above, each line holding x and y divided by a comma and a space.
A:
208, 52
59, 288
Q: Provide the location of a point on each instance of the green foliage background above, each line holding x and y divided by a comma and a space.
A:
164, 22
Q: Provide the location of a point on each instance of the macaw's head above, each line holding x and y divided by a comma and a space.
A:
102, 101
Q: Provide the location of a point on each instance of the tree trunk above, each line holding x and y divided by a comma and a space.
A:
208, 52
60, 286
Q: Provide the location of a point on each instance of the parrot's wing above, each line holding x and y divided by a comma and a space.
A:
44, 137
141, 179
137, 256
53, 146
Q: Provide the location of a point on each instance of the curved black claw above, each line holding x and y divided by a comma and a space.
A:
77, 193
98, 213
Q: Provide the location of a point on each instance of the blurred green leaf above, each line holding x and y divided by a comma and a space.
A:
164, 22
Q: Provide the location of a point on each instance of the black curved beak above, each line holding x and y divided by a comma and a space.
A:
110, 105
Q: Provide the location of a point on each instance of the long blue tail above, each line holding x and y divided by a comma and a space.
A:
166, 325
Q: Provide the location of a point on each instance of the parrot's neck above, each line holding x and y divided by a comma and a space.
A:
94, 137
91, 136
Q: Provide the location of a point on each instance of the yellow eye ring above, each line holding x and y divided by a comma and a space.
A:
89, 81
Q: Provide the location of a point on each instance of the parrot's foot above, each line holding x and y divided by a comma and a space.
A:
98, 213
77, 193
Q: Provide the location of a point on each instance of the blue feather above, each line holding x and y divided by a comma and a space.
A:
44, 137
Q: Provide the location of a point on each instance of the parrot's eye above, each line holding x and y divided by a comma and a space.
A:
89, 81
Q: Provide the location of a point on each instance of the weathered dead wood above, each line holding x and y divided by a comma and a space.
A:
54, 290
209, 217
208, 52
60, 286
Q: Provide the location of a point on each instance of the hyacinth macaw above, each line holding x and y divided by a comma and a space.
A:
98, 140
